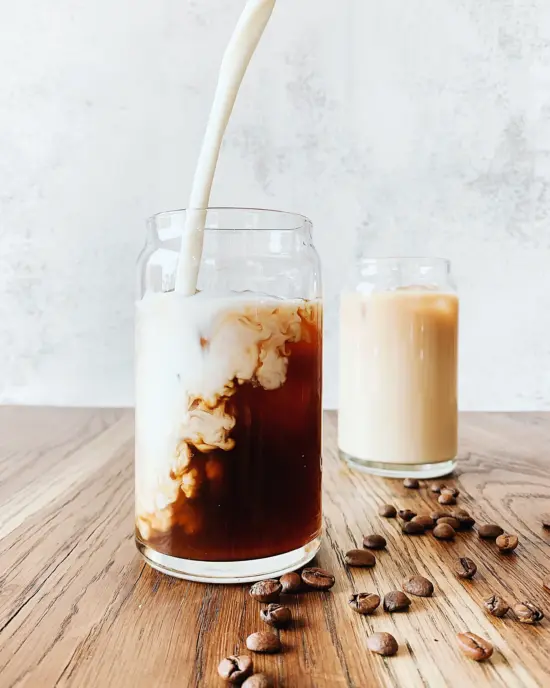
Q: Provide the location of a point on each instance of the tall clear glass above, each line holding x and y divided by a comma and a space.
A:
228, 399
398, 368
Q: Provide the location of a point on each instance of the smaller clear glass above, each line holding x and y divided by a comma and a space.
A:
398, 368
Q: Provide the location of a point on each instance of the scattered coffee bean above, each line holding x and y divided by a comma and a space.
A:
436, 515
412, 528
290, 583
276, 615
446, 498
424, 520
406, 514
374, 541
474, 647
383, 644
465, 568
450, 521
360, 557
319, 579
258, 681
546, 583
419, 586
411, 483
465, 519
437, 487
387, 510
364, 602
528, 613
266, 590
450, 490
507, 543
545, 520
489, 531
235, 668
396, 601
444, 532
496, 605
263, 642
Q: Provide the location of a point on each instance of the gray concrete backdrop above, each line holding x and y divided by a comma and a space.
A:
398, 126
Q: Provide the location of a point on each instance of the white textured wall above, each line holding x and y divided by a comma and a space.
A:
418, 127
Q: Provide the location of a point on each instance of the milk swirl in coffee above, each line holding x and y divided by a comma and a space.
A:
228, 401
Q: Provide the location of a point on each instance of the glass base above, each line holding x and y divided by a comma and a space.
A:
400, 470
230, 571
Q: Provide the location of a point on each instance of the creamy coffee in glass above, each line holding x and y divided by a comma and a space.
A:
398, 368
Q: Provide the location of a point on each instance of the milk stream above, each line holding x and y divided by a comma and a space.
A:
235, 61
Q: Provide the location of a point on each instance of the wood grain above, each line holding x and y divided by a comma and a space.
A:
79, 608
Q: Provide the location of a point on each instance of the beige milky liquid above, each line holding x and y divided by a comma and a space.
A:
398, 376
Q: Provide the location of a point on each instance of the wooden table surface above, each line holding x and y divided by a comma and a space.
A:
79, 608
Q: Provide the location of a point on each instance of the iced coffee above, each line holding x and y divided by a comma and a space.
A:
398, 377
228, 429
228, 379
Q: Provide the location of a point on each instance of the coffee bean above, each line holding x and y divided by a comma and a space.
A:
266, 590
450, 490
319, 578
364, 602
496, 605
450, 521
446, 498
489, 531
411, 483
276, 615
474, 647
406, 514
396, 601
258, 681
419, 586
374, 541
412, 528
383, 644
437, 487
436, 515
235, 668
465, 568
263, 642
387, 510
424, 520
360, 557
444, 532
461, 515
528, 613
290, 583
507, 543
546, 582
545, 520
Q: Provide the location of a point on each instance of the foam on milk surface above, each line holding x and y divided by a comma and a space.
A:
192, 353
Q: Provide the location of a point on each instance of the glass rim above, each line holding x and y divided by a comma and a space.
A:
303, 221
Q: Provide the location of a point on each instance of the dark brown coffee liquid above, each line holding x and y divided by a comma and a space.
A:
263, 497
